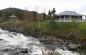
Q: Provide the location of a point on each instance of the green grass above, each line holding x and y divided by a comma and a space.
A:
60, 26
82, 26
52, 26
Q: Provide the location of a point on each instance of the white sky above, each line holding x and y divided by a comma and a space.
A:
41, 5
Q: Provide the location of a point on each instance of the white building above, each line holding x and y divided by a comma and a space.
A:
70, 16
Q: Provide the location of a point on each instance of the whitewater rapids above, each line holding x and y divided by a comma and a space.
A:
13, 40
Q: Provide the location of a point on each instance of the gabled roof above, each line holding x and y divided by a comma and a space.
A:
70, 13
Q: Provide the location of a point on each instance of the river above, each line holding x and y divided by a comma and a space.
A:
12, 43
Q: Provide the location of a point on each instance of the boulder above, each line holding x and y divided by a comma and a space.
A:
72, 47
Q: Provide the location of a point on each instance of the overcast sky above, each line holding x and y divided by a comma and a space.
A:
45, 5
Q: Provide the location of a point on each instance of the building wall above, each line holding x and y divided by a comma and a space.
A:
66, 18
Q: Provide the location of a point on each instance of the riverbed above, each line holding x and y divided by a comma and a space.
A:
12, 43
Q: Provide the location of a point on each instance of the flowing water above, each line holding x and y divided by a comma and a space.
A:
12, 43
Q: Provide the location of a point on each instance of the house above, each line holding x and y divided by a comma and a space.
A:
69, 16
13, 18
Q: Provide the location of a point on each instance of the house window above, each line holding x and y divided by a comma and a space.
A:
72, 16
66, 16
58, 17
80, 17
62, 16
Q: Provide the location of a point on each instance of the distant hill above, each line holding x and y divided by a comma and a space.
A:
9, 11
21, 14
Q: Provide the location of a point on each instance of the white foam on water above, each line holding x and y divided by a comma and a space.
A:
65, 52
18, 39
33, 45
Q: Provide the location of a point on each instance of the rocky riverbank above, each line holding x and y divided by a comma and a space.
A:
50, 42
15, 29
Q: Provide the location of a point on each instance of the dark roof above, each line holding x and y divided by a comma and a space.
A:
70, 13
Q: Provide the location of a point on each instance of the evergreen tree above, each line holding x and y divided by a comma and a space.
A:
49, 15
53, 14
53, 11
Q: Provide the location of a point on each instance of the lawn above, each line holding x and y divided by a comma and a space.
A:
82, 26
